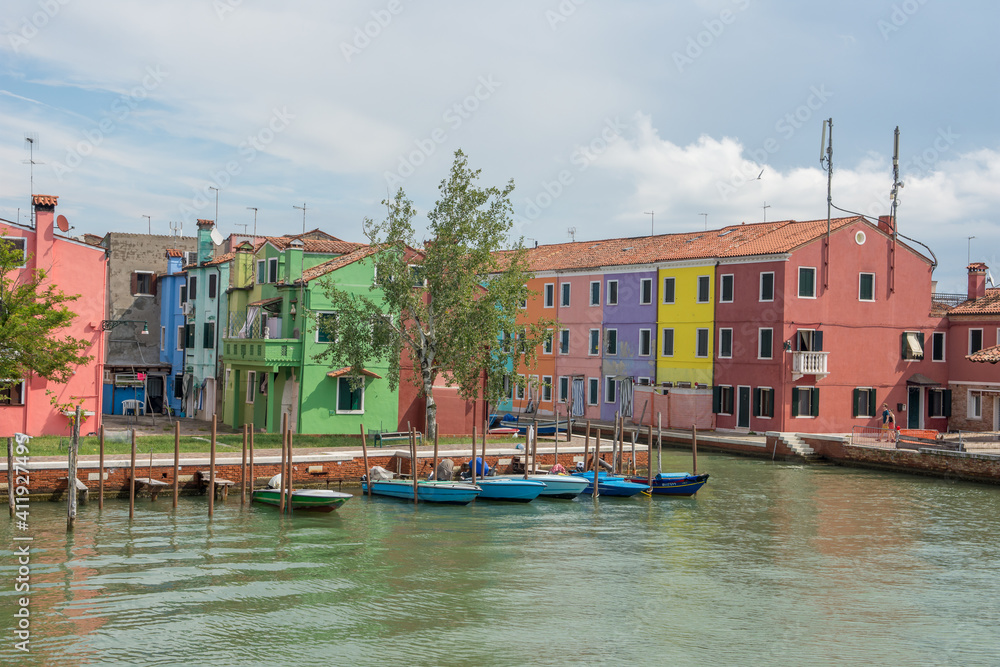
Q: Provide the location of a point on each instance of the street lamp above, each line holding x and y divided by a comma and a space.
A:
108, 325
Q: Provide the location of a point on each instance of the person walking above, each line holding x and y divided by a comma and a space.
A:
888, 423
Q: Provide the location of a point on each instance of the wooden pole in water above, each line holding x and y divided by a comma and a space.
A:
211, 473
649, 455
413, 461
364, 457
247, 426
74, 449
659, 443
534, 447
284, 450
635, 434
10, 474
485, 426
694, 449
131, 481
597, 462
177, 460
597, 443
474, 441
243, 469
569, 421
527, 448
556, 453
586, 445
291, 482
100, 472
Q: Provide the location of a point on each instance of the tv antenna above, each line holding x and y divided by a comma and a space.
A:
897, 184
30, 140
254, 209
244, 226
706, 220
572, 234
826, 161
149, 224
176, 227
652, 218
765, 207
303, 209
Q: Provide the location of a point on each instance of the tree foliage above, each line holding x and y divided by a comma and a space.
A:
450, 303
32, 312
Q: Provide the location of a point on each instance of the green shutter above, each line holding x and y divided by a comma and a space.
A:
902, 346
920, 340
795, 401
872, 404
769, 408
756, 402
855, 401
817, 341
716, 400
815, 402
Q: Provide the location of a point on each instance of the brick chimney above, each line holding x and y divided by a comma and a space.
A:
45, 213
977, 280
206, 249
885, 223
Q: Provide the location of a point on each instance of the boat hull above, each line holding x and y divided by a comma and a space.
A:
316, 500
612, 486
674, 484
509, 489
564, 487
449, 493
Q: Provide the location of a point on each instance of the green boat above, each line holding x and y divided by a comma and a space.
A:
315, 500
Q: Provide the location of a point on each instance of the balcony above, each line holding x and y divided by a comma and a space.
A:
263, 351
809, 363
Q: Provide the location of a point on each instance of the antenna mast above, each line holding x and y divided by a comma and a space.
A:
826, 160
572, 234
254, 209
176, 227
897, 185
30, 139
303, 209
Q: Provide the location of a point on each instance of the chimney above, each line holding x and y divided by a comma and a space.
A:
977, 280
206, 248
885, 223
293, 261
244, 265
45, 213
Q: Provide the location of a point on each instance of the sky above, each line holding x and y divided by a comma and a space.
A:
612, 119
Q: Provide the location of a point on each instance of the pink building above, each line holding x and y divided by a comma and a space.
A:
75, 268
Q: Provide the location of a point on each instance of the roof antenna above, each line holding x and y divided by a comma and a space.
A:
706, 220
765, 207
897, 184
176, 227
254, 209
30, 139
303, 209
652, 218
572, 234
826, 161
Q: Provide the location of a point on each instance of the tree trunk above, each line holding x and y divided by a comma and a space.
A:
430, 406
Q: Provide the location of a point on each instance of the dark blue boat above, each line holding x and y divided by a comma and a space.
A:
674, 483
608, 485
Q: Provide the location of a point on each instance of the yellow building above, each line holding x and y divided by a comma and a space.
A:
685, 322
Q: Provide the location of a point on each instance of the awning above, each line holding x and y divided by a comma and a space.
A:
267, 303
986, 355
913, 343
347, 371
922, 380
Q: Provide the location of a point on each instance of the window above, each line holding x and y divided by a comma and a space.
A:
179, 385
610, 389
612, 292
547, 388
325, 323
668, 290
208, 341
975, 340
181, 336
722, 400
809, 340
866, 287
563, 388
17, 243
163, 339
12, 394
937, 346
913, 345
547, 342
564, 294
519, 388
646, 291
975, 405
533, 387
939, 402
261, 271
564, 341
183, 296
645, 342
272, 270
863, 402
767, 286
763, 402
704, 289
765, 339
701, 346
192, 287
725, 343
595, 342
805, 401
667, 346
251, 385
550, 295
611, 339
593, 391
189, 336
350, 400
213, 285
807, 282
726, 288
143, 283
417, 275
595, 293
229, 372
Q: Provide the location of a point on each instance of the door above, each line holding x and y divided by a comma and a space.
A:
743, 407
579, 400
154, 394
913, 413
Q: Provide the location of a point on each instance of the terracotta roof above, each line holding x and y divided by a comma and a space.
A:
326, 267
175, 253
986, 355
44, 200
347, 371
333, 246
984, 305
266, 302
221, 259
977, 266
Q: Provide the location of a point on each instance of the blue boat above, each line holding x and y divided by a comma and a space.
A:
550, 427
674, 483
453, 493
512, 490
608, 485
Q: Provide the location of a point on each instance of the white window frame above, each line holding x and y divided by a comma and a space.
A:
663, 348
181, 337
564, 294
609, 291
593, 301
610, 389
594, 350
251, 386
944, 346
520, 389
563, 349
21, 243
762, 390
722, 330
971, 412
643, 284
866, 273
611, 335
337, 398
760, 287
546, 389
549, 295
708, 289
760, 331
272, 270
261, 271
320, 314
722, 287
982, 341
916, 338
547, 341
672, 292
798, 291
648, 333
163, 339
229, 373
152, 277
708, 343
182, 294
562, 393
593, 389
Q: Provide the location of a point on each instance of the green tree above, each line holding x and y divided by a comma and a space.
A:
31, 315
449, 304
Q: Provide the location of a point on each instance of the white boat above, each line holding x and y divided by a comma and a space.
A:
512, 489
556, 486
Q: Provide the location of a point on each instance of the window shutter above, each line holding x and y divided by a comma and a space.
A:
872, 406
207, 336
902, 345
134, 283
947, 403
855, 400
815, 402
769, 408
756, 402
817, 341
729, 401
716, 400
920, 339
795, 401
152, 284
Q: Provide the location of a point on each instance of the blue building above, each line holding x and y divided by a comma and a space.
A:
173, 300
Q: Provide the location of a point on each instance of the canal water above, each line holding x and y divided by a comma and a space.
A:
771, 564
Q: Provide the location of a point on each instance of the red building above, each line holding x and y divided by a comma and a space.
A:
75, 268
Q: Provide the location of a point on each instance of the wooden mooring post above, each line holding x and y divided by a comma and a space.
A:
649, 455
211, 473
413, 460
131, 481
100, 471
243, 469
72, 491
291, 485
284, 452
364, 456
474, 441
177, 460
694, 450
252, 478
597, 462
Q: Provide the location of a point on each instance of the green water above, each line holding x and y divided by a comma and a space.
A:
771, 564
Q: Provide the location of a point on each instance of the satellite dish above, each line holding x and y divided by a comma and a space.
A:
216, 236
62, 223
